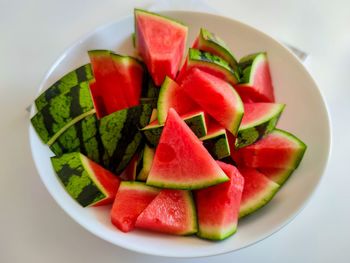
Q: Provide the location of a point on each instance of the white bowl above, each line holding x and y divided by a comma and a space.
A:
305, 116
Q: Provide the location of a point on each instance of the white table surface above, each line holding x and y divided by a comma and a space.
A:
34, 33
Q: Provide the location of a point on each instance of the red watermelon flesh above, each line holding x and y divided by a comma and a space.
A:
257, 192
161, 42
107, 79
181, 161
172, 96
279, 149
216, 97
109, 181
171, 212
98, 100
259, 87
218, 206
131, 199
278, 175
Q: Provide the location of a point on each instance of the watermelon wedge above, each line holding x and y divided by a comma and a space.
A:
172, 96
218, 206
209, 63
256, 84
84, 180
131, 199
195, 120
279, 149
130, 172
278, 175
207, 41
98, 100
216, 97
161, 42
171, 212
181, 161
257, 192
259, 119
147, 160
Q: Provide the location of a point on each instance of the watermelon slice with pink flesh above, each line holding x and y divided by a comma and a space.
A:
279, 149
97, 99
171, 212
181, 161
161, 42
256, 83
257, 192
259, 119
278, 175
129, 173
218, 206
216, 97
131, 199
172, 96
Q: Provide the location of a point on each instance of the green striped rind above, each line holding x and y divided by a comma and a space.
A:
121, 136
248, 66
197, 57
196, 122
78, 179
64, 85
237, 116
62, 112
302, 147
147, 159
252, 132
216, 233
212, 41
279, 177
134, 185
217, 144
149, 89
82, 137
260, 200
165, 94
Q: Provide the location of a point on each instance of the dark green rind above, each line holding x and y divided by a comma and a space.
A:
133, 39
219, 45
197, 56
152, 133
245, 64
121, 136
64, 85
215, 237
76, 179
217, 145
250, 135
62, 112
149, 89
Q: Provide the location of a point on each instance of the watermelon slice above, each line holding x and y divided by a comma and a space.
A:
209, 63
131, 199
196, 121
172, 96
64, 85
107, 79
216, 97
147, 160
161, 42
279, 149
257, 192
278, 175
84, 180
207, 41
62, 112
216, 142
98, 100
259, 119
256, 84
218, 206
130, 172
171, 212
181, 161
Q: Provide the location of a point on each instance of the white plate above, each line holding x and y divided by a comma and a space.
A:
305, 116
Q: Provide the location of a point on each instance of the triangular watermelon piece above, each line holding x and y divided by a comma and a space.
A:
161, 43
172, 212
131, 199
218, 206
181, 161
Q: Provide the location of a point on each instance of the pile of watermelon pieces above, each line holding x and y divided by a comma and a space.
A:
178, 145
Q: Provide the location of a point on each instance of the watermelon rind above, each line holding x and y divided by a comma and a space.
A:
253, 131
78, 179
248, 66
201, 58
213, 42
164, 98
279, 176
260, 200
217, 144
196, 121
148, 155
215, 233
64, 85
62, 112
